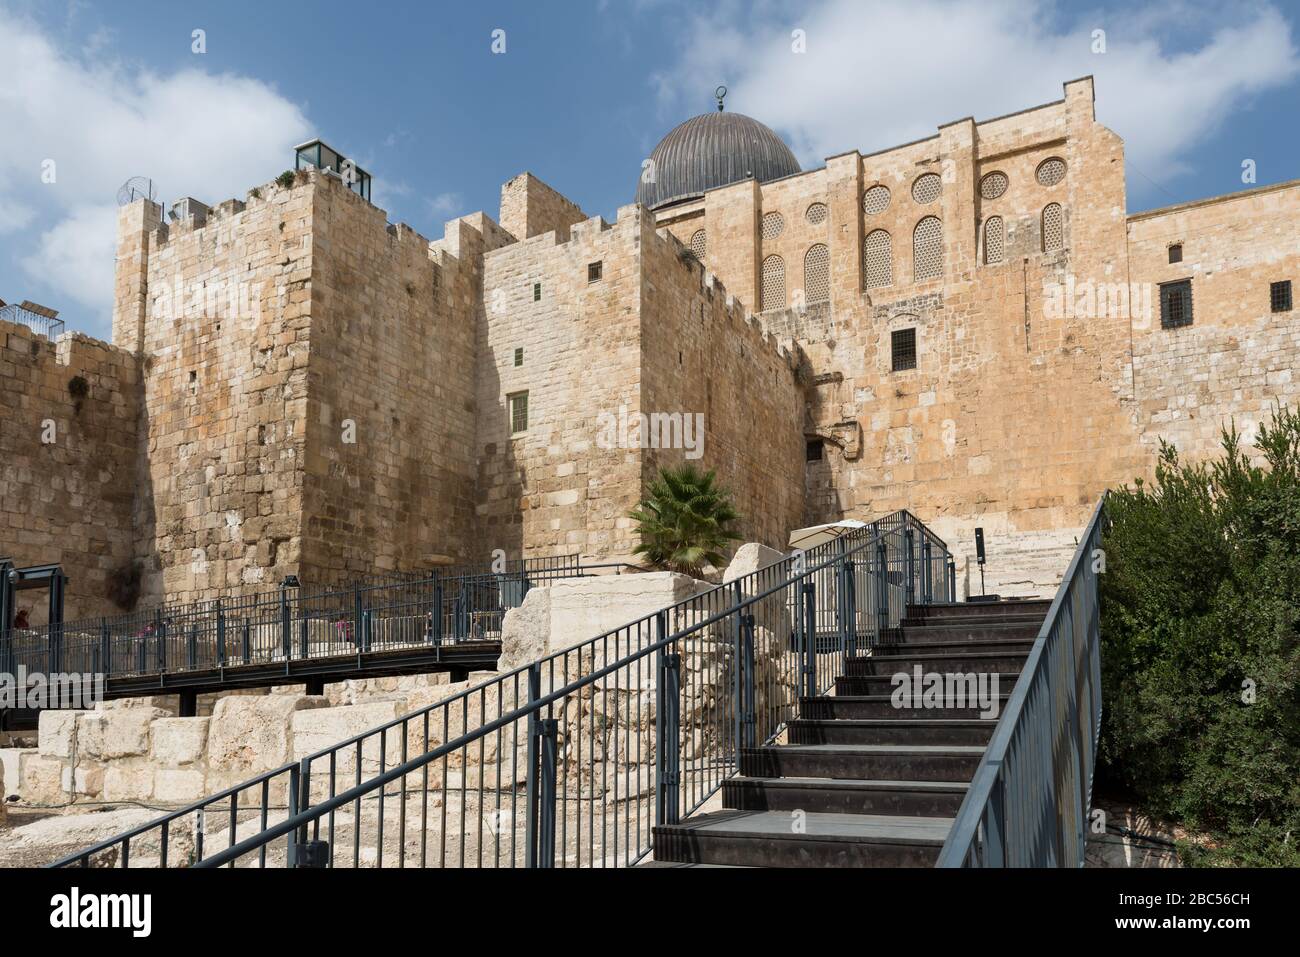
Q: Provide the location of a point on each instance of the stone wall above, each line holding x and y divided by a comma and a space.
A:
1238, 358
529, 208
69, 445
225, 388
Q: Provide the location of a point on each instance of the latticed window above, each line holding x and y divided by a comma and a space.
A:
772, 294
993, 185
699, 244
1176, 304
1279, 296
902, 350
518, 412
994, 237
773, 225
1051, 171
927, 188
927, 249
877, 259
817, 213
875, 200
817, 274
1053, 228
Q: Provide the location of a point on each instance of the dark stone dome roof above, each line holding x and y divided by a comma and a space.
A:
712, 150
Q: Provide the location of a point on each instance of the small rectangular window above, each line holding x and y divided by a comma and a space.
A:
518, 412
519, 356
1176, 253
594, 271
902, 349
816, 450
1176, 304
1279, 296
537, 292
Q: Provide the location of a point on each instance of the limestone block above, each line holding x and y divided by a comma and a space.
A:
128, 781
118, 734
248, 735
322, 728
11, 764
526, 630
179, 741
178, 785
88, 779
57, 733
42, 779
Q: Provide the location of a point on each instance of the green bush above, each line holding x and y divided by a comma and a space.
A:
1200, 649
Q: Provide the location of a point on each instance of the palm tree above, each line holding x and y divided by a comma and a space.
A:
685, 521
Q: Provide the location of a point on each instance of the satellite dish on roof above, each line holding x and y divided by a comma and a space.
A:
137, 187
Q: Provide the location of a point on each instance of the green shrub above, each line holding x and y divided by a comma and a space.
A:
685, 522
1200, 647
286, 178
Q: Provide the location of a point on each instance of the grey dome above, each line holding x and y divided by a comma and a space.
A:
712, 150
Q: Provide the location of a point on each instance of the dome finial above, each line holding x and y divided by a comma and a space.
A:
720, 93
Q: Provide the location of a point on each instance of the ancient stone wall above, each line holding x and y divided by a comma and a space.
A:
225, 388
529, 208
68, 455
390, 414
571, 343
1237, 359
705, 362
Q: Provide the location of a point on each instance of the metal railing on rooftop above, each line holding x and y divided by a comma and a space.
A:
573, 759
1029, 799
41, 325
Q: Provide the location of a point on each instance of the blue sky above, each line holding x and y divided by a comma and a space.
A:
583, 91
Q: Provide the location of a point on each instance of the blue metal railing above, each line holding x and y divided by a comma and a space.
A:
573, 759
1028, 803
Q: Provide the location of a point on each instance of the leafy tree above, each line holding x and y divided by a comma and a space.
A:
685, 522
1201, 646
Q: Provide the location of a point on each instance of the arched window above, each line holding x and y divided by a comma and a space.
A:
993, 240
817, 274
927, 249
877, 259
1053, 228
699, 244
772, 293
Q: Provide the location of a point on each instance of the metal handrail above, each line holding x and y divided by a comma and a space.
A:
834, 570
1028, 801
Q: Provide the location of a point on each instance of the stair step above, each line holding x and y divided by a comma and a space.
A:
1012, 645
813, 839
897, 730
947, 660
913, 762
906, 798
925, 632
1031, 622
881, 705
968, 609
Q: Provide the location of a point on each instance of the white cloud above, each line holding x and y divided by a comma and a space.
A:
880, 74
212, 136
446, 205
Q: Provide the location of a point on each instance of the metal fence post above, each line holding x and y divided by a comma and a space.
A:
530, 779
927, 584
162, 642
670, 676
295, 805
105, 646
910, 568
304, 643
547, 795
952, 579
737, 673
285, 636
810, 642
221, 635
882, 589
247, 642
850, 608
749, 717
192, 647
